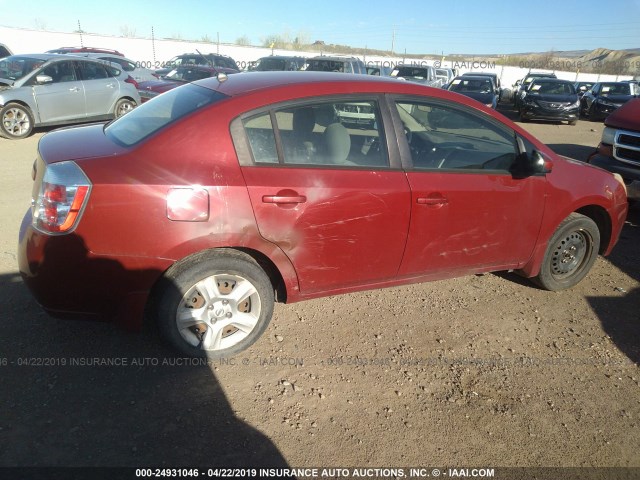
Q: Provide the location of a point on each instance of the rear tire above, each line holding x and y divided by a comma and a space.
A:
123, 106
570, 254
213, 304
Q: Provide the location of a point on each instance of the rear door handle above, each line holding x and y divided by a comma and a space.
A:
74, 89
284, 199
432, 201
110, 85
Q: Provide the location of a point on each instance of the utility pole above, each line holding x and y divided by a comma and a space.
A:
80, 32
393, 38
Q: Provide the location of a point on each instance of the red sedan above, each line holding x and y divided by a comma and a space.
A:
217, 198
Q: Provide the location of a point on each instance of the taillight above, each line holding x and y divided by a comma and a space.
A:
131, 80
62, 196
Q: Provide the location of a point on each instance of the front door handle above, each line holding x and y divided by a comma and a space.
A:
284, 199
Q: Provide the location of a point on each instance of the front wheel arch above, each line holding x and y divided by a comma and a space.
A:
570, 253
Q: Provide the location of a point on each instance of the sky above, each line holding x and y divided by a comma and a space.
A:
441, 26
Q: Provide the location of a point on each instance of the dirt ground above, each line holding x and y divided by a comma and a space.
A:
484, 371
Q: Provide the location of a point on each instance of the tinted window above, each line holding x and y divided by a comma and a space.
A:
163, 110
16, 67
328, 66
61, 72
126, 65
332, 133
447, 138
97, 71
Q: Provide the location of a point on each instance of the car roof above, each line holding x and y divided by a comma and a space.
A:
240, 83
552, 80
479, 74
333, 58
286, 57
471, 77
43, 56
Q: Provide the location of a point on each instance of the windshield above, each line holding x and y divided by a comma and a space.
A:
617, 89
411, 72
326, 66
187, 74
480, 85
555, 88
163, 110
15, 67
271, 64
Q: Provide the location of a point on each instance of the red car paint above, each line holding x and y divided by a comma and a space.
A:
342, 230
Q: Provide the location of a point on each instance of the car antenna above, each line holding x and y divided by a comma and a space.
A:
208, 60
221, 76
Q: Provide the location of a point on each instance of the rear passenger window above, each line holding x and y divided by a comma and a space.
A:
338, 133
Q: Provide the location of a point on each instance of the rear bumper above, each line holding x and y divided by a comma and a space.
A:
69, 281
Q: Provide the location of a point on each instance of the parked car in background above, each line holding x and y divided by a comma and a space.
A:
179, 76
4, 51
522, 86
213, 60
445, 75
136, 72
619, 148
379, 70
76, 50
51, 89
336, 63
481, 89
279, 63
205, 206
605, 97
493, 76
550, 99
425, 75
582, 87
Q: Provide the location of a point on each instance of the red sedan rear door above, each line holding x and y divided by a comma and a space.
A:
326, 190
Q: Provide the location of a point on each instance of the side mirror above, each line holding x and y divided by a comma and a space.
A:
42, 79
527, 165
539, 164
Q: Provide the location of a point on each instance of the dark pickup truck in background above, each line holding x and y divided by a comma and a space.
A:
619, 148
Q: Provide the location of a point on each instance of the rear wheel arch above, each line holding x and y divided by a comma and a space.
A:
218, 324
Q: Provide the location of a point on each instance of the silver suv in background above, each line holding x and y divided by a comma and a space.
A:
51, 89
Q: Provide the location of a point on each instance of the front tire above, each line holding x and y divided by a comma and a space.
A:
571, 252
16, 121
214, 304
